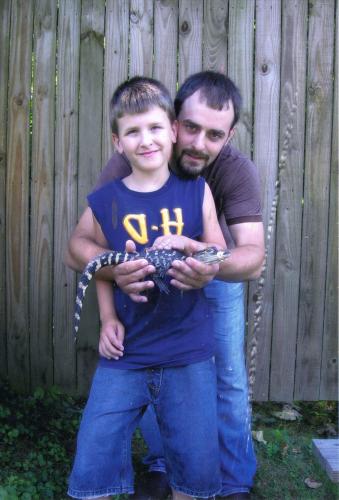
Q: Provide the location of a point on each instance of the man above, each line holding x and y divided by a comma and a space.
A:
207, 108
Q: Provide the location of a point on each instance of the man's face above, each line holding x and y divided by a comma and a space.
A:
202, 132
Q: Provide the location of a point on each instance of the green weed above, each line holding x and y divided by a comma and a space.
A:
38, 433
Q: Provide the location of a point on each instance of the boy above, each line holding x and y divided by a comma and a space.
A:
167, 356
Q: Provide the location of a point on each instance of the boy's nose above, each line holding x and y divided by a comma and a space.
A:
146, 138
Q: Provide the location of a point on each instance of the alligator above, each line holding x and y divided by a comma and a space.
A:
161, 259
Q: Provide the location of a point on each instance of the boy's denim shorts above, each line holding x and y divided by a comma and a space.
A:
185, 403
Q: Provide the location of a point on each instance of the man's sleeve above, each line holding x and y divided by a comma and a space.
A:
116, 168
243, 200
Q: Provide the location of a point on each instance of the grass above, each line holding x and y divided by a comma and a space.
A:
37, 439
287, 459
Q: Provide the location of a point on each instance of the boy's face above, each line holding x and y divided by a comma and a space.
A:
146, 139
202, 132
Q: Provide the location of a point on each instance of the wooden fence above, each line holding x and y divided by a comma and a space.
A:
59, 63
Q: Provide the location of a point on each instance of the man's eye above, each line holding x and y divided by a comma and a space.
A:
215, 136
190, 126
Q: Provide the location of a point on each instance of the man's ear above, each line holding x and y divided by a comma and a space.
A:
174, 127
231, 134
116, 143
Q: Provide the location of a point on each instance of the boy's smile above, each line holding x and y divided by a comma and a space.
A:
146, 139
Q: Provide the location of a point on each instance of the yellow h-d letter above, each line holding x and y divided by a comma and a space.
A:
167, 223
141, 236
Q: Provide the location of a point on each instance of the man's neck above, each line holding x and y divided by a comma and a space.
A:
146, 182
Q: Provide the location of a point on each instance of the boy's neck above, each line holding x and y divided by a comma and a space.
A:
146, 182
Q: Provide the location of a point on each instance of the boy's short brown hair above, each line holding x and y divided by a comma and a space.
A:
138, 95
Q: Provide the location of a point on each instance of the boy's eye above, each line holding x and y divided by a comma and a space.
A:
131, 131
156, 127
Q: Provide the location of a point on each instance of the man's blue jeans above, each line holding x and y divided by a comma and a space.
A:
238, 462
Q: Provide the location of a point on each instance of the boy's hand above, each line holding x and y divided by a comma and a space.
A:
129, 275
181, 243
171, 241
111, 340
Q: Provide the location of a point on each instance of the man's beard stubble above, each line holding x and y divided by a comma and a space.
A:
188, 171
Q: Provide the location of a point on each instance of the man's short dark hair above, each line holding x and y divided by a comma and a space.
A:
215, 88
138, 95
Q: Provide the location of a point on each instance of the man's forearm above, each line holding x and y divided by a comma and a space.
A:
245, 263
80, 251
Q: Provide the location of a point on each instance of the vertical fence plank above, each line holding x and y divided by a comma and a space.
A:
165, 43
214, 55
241, 69
241, 66
17, 193
141, 38
190, 38
316, 194
42, 191
4, 54
90, 105
116, 61
329, 361
66, 142
291, 162
267, 84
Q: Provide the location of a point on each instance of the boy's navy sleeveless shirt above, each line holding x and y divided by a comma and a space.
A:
168, 330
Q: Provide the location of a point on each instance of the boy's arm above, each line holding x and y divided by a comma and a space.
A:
212, 233
112, 331
185, 277
211, 236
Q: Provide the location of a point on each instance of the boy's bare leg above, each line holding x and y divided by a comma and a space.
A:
104, 498
181, 496
176, 495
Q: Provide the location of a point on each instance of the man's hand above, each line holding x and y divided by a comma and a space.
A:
191, 273
112, 336
129, 276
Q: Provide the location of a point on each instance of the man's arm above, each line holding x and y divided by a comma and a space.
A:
247, 258
245, 262
82, 247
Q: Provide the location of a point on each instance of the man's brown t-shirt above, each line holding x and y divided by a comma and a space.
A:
232, 177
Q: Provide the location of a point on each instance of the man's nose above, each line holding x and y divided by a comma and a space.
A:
199, 141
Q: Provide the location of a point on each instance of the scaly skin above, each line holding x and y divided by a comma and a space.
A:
160, 259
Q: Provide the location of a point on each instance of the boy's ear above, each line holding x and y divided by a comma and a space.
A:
116, 143
174, 127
